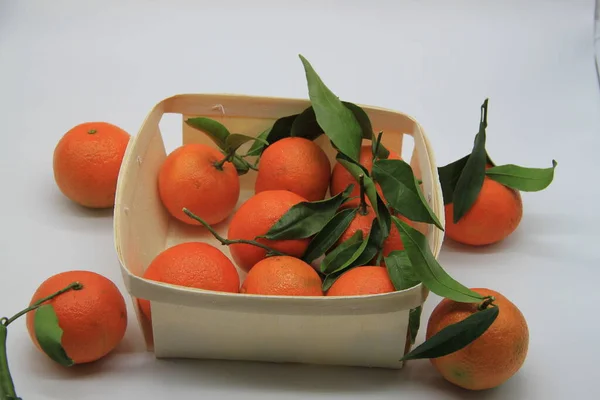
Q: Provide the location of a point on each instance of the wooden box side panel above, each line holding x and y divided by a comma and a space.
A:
372, 340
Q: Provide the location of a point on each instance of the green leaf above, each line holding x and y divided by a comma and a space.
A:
305, 125
377, 148
521, 178
281, 128
427, 269
329, 235
235, 140
414, 322
337, 121
215, 130
343, 254
456, 336
307, 218
242, 166
400, 188
49, 335
471, 178
257, 147
362, 118
449, 175
400, 270
372, 245
356, 170
330, 280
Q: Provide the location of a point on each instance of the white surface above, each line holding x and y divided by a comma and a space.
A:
65, 62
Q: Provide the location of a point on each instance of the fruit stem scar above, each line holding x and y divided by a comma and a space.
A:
486, 303
37, 304
92, 131
362, 209
227, 242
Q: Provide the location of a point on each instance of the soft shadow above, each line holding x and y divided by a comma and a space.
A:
452, 246
276, 376
60, 212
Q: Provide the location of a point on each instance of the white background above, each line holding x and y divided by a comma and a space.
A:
66, 62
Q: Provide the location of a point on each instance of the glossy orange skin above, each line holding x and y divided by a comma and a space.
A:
254, 218
189, 178
86, 165
495, 214
93, 319
341, 178
192, 264
492, 358
295, 164
362, 281
282, 276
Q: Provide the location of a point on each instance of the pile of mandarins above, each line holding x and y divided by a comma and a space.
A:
309, 228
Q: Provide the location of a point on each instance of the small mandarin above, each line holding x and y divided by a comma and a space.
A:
254, 218
93, 319
295, 164
191, 177
192, 264
282, 276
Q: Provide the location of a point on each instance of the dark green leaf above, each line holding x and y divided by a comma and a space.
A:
414, 322
400, 189
471, 179
362, 118
456, 336
342, 253
49, 334
356, 170
235, 140
281, 128
373, 244
242, 167
307, 218
337, 121
449, 175
305, 125
257, 147
215, 130
428, 270
330, 234
400, 270
377, 148
330, 280
521, 178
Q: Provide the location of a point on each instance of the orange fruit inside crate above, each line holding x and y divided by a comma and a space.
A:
192, 177
192, 264
254, 218
282, 276
295, 164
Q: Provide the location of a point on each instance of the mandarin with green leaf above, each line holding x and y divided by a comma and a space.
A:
255, 217
493, 357
93, 319
295, 164
197, 177
495, 214
341, 178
